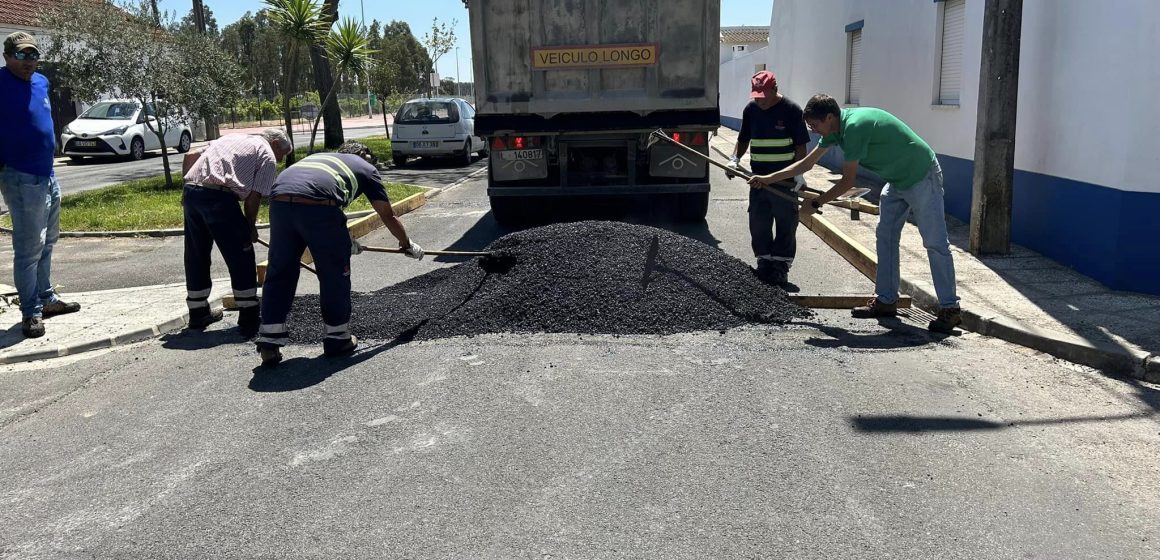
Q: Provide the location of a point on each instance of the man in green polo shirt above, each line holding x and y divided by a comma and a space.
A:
884, 144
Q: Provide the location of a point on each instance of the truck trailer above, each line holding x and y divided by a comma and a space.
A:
568, 91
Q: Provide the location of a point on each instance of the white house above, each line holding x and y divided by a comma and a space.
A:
1085, 193
744, 51
740, 40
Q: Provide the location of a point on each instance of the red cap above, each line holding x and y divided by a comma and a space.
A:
764, 84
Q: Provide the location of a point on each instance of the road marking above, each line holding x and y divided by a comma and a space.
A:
465, 179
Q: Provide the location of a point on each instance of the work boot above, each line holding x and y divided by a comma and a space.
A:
60, 308
339, 347
772, 276
248, 321
202, 317
32, 327
948, 318
875, 308
270, 353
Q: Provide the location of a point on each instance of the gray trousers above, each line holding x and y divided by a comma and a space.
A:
773, 223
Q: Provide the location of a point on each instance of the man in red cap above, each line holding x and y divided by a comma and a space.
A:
773, 130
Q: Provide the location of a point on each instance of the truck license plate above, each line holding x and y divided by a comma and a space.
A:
87, 143
425, 144
515, 155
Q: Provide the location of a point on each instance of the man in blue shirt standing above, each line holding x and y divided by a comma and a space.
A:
27, 182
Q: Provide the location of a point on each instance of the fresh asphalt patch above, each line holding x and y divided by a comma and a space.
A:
582, 277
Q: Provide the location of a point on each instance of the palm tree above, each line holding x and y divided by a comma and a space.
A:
300, 23
348, 47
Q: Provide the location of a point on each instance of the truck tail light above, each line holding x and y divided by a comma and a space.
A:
677, 136
515, 142
699, 139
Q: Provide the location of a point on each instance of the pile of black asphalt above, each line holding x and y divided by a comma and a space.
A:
590, 277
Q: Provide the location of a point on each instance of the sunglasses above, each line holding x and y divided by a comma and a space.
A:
21, 55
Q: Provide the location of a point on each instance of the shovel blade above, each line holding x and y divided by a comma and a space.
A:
650, 260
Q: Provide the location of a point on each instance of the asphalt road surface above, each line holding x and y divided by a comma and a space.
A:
831, 438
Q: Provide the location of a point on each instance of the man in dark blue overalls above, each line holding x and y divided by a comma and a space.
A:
773, 130
306, 212
232, 168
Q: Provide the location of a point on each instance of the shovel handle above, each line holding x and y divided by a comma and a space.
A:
426, 252
302, 264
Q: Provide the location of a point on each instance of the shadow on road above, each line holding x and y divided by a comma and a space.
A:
903, 423
188, 339
900, 335
299, 373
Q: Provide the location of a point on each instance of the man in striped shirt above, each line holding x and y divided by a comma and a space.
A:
773, 130
306, 212
235, 167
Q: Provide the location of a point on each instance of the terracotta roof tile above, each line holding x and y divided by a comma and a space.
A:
742, 34
22, 13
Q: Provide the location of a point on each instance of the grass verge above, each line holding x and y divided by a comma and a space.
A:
148, 204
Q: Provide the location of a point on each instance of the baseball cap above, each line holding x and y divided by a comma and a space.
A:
764, 82
19, 41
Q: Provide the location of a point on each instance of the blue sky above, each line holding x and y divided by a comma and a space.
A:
418, 14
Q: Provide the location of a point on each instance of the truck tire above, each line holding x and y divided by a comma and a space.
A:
507, 210
692, 207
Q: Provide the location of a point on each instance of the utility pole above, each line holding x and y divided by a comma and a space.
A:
995, 131
211, 127
458, 76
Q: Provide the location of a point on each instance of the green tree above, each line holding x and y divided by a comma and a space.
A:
347, 46
439, 41
299, 22
101, 48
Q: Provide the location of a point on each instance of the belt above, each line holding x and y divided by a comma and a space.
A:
303, 200
211, 187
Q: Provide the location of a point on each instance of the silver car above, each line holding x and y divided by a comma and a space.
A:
436, 127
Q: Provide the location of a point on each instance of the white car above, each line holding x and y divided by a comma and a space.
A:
436, 127
117, 128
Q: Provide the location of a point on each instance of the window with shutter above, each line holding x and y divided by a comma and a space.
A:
951, 52
854, 68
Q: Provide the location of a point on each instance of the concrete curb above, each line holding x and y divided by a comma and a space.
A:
1104, 357
137, 335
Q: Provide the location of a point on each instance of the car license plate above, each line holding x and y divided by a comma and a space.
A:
425, 144
515, 155
86, 143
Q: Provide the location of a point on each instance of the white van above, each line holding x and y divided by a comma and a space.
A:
436, 127
117, 128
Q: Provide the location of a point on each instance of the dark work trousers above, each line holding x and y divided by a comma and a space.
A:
214, 216
294, 228
773, 223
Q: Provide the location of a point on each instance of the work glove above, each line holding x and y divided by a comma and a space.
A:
356, 248
414, 251
798, 183
734, 163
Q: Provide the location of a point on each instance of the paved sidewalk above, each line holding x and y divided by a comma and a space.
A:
107, 318
1023, 297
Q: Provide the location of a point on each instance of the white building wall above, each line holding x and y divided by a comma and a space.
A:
735, 86
1087, 87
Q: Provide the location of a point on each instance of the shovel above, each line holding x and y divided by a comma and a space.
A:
492, 261
302, 264
659, 134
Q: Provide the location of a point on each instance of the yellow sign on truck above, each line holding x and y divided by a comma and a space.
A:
594, 56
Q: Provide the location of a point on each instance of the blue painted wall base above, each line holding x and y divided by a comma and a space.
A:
1104, 233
